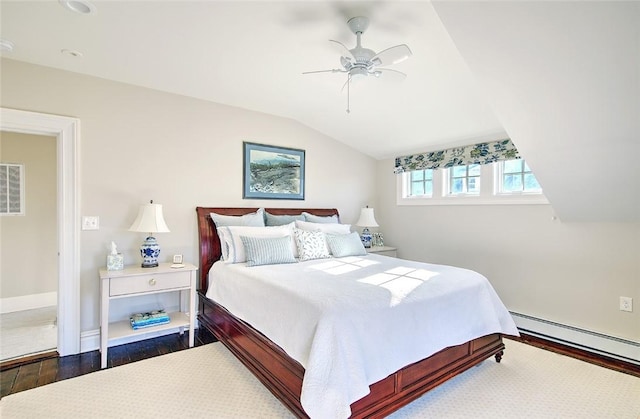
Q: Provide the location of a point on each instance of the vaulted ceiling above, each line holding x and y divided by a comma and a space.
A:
560, 78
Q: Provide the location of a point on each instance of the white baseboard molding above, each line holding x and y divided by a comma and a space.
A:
598, 343
90, 340
28, 302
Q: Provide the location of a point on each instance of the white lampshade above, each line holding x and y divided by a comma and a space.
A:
150, 220
366, 218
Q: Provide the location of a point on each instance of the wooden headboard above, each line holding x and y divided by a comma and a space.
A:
209, 242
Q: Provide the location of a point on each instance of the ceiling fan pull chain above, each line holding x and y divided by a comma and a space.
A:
348, 93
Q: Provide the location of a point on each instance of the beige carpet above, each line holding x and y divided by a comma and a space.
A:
28, 332
208, 382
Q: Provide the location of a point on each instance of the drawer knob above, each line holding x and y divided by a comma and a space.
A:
152, 281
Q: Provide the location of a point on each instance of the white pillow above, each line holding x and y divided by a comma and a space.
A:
311, 244
319, 218
328, 228
254, 219
230, 236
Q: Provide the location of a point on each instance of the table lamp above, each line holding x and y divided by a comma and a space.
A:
366, 220
150, 220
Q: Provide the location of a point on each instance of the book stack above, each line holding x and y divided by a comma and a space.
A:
151, 318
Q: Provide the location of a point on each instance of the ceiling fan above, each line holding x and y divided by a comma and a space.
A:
361, 62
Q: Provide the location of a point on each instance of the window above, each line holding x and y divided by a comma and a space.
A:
515, 176
464, 179
421, 183
505, 182
11, 189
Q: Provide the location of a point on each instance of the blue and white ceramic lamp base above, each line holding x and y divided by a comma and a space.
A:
150, 250
366, 238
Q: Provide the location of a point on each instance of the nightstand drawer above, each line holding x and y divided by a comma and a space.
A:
149, 283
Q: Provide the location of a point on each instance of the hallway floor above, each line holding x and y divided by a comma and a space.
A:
28, 332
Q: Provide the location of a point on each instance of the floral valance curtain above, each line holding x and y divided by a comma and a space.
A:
482, 153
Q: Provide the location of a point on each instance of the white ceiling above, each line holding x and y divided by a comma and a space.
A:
522, 69
252, 55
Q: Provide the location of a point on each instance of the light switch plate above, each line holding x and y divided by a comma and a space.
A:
90, 222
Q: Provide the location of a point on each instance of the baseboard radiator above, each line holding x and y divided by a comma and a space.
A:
587, 340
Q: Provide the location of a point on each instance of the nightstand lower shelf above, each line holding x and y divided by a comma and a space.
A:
123, 329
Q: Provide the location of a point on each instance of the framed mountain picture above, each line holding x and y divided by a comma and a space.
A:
271, 172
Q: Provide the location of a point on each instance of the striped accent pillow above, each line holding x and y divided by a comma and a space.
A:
345, 245
267, 250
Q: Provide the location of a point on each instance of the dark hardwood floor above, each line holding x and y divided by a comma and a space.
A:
49, 369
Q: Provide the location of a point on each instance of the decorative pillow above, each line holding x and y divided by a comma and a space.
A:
311, 244
230, 236
320, 219
254, 219
342, 245
267, 251
328, 228
278, 220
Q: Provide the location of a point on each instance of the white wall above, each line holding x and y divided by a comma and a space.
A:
28, 243
570, 273
138, 144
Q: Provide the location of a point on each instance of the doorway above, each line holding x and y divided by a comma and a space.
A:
28, 245
67, 133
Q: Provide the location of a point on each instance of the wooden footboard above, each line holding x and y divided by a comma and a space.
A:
283, 375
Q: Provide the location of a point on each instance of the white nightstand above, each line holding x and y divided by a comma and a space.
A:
383, 250
134, 281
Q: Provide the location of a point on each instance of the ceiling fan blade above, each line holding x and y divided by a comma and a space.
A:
335, 70
392, 55
347, 50
389, 74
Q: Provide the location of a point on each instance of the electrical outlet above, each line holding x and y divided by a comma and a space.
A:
91, 222
626, 304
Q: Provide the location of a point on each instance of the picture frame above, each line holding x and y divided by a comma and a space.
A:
271, 172
177, 259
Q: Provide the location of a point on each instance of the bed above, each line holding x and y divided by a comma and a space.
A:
284, 376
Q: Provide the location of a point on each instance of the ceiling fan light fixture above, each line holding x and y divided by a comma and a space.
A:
358, 73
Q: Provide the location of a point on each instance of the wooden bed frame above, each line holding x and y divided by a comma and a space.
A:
283, 376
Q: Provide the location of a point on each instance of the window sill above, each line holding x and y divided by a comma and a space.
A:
476, 200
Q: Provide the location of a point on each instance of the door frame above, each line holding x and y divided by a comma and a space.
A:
67, 133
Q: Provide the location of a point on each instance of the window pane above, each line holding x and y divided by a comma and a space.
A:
526, 167
428, 174
531, 183
513, 166
457, 185
474, 170
512, 183
417, 188
417, 175
459, 171
474, 185
428, 188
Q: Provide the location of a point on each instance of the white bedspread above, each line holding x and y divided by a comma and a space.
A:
353, 321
